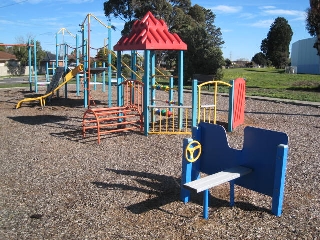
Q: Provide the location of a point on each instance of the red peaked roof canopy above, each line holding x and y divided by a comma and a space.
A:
150, 33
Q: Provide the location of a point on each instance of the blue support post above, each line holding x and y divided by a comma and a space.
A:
85, 79
77, 63
109, 66
153, 78
279, 179
231, 105
170, 91
146, 96
104, 78
29, 62
119, 80
85, 67
35, 65
180, 87
47, 74
195, 103
57, 53
206, 204
65, 60
231, 193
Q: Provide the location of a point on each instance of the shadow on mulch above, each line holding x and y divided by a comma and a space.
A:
164, 190
39, 119
91, 135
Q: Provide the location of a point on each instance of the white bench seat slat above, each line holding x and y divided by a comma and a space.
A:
218, 178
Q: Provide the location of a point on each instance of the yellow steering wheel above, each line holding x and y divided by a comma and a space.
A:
191, 148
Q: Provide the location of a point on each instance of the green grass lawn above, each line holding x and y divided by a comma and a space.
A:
276, 83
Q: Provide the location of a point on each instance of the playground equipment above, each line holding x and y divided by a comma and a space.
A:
88, 70
260, 166
150, 34
127, 116
140, 39
199, 112
54, 85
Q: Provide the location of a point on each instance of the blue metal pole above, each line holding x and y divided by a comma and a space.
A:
104, 78
171, 91
85, 67
65, 69
35, 65
119, 80
153, 78
109, 65
57, 54
146, 96
180, 86
231, 105
29, 62
47, 71
77, 63
205, 204
53, 68
195, 103
231, 193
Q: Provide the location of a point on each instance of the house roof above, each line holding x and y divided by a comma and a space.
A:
150, 33
7, 56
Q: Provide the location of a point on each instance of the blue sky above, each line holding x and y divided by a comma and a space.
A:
244, 24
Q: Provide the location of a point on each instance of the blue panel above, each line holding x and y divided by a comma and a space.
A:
216, 152
260, 154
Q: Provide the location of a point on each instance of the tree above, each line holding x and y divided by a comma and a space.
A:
276, 45
2, 48
313, 22
228, 62
260, 59
194, 25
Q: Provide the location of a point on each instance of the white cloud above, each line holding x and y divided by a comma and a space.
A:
299, 15
226, 9
247, 15
34, 1
284, 12
6, 22
263, 23
268, 7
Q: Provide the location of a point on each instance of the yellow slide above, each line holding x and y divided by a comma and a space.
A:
42, 99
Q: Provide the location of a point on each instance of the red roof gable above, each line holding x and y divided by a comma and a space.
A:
7, 56
150, 33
